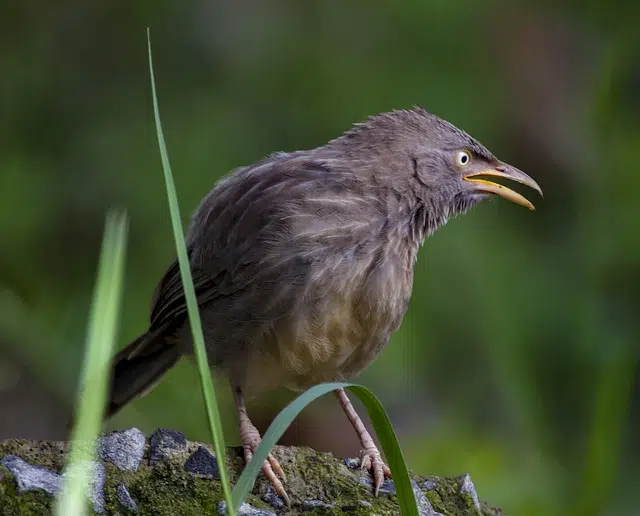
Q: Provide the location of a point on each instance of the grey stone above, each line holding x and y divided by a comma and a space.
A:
125, 498
164, 443
203, 464
387, 487
352, 463
424, 505
244, 510
310, 505
367, 482
429, 484
272, 498
95, 487
123, 449
466, 486
30, 478
365, 504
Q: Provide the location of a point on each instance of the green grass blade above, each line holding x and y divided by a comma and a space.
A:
380, 422
95, 375
391, 448
208, 391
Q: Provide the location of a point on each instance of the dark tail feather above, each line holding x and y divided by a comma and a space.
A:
135, 373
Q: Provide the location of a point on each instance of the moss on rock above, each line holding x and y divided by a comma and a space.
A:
318, 484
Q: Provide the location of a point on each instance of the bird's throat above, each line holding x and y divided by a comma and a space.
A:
428, 216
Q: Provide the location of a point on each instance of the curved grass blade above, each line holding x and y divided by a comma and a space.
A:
380, 422
95, 374
210, 400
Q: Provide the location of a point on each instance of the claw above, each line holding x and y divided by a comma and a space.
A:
275, 465
251, 440
271, 469
371, 460
268, 468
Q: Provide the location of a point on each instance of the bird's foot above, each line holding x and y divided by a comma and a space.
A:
271, 467
371, 460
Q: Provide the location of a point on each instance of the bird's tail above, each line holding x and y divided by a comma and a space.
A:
138, 368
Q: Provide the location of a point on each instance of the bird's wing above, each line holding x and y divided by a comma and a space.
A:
251, 243
169, 300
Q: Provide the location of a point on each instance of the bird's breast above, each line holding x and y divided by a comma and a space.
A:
345, 320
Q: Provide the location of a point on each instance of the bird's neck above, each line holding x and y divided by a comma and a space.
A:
426, 216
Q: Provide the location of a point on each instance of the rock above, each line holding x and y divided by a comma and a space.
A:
125, 498
352, 463
429, 484
203, 464
244, 510
387, 487
272, 498
181, 480
96, 487
467, 487
310, 505
164, 443
123, 449
424, 506
30, 477
455, 495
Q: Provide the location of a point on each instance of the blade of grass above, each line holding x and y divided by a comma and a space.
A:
95, 375
210, 400
380, 422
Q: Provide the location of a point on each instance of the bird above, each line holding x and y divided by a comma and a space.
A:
303, 263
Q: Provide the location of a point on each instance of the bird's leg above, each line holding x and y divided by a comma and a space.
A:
250, 438
370, 458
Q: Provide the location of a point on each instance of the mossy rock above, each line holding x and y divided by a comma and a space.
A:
167, 475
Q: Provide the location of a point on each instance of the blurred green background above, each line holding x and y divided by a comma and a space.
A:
518, 359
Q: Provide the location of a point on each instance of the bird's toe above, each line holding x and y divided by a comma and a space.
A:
268, 468
371, 460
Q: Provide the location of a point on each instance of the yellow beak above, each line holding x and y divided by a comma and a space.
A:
508, 172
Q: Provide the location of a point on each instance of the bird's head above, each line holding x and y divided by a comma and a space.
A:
446, 169
451, 164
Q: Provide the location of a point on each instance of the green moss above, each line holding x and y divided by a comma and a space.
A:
169, 491
320, 476
448, 498
50, 454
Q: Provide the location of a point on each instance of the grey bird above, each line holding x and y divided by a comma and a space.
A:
303, 263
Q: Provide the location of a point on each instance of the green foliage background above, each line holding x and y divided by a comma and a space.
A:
517, 361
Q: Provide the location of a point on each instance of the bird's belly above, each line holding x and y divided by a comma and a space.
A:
336, 354
336, 331
334, 343
306, 353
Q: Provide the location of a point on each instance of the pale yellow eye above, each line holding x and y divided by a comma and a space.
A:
463, 158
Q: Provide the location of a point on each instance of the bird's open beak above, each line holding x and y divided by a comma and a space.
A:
508, 172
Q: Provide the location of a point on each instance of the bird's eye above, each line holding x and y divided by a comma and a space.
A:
463, 158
